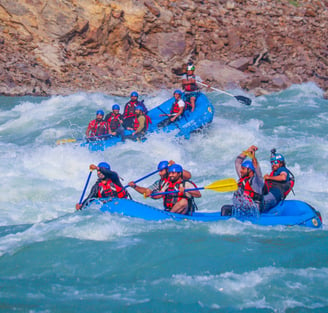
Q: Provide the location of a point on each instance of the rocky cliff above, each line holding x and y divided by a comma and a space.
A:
64, 46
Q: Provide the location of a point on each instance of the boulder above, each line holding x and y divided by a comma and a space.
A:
241, 63
220, 73
165, 45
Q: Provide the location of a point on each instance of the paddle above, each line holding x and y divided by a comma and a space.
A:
142, 178
175, 122
85, 187
241, 99
165, 115
222, 185
67, 140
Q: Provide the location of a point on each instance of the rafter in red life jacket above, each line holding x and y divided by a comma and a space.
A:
110, 190
244, 184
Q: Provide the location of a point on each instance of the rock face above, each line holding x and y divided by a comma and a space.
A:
60, 47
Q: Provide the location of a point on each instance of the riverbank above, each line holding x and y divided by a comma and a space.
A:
118, 46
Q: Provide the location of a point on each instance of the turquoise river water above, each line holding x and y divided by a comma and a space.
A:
54, 259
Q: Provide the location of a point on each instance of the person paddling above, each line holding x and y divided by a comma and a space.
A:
176, 111
250, 194
107, 185
162, 168
178, 202
250, 184
189, 85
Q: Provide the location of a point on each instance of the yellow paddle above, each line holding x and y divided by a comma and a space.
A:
67, 140
222, 185
61, 141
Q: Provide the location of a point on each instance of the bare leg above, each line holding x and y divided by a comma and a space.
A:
192, 103
180, 207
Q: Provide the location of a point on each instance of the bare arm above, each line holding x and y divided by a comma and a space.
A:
193, 193
250, 152
177, 115
142, 190
281, 177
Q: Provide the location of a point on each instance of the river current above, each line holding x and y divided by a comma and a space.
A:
54, 259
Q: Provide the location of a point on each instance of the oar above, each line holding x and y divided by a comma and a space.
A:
241, 99
85, 187
142, 178
165, 115
222, 185
67, 140
175, 123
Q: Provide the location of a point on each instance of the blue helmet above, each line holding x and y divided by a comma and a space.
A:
100, 112
179, 92
134, 94
248, 164
162, 165
139, 107
115, 107
175, 168
277, 157
104, 165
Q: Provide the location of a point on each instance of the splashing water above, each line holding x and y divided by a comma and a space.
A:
54, 259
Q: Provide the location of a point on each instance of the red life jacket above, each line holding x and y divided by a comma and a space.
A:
285, 187
98, 128
114, 121
110, 190
129, 110
244, 184
147, 121
190, 86
175, 107
169, 200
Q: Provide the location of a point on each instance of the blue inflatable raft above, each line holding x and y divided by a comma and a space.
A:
188, 123
288, 213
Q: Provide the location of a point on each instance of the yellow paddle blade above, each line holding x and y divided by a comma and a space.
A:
61, 141
249, 154
223, 185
